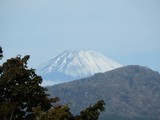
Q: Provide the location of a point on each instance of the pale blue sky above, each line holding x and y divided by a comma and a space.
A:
127, 31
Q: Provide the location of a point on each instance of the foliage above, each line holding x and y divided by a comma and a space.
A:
1, 53
22, 97
20, 90
63, 113
92, 112
55, 113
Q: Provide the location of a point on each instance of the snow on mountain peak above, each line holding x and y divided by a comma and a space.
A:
77, 64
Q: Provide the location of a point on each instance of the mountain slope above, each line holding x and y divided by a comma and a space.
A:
71, 65
130, 93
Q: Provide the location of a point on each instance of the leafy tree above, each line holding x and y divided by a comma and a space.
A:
22, 97
92, 112
62, 113
20, 88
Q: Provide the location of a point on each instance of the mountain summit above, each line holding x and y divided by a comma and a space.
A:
71, 65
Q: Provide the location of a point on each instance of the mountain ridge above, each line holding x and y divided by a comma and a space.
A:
130, 92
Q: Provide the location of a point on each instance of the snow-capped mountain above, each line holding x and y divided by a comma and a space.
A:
71, 65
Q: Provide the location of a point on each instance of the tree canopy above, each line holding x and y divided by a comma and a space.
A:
22, 97
20, 90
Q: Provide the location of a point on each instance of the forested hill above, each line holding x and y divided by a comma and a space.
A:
131, 93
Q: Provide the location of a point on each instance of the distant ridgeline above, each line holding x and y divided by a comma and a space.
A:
130, 93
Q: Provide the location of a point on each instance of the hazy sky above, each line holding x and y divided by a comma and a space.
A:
127, 31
